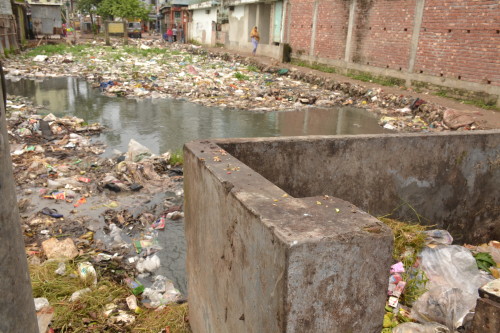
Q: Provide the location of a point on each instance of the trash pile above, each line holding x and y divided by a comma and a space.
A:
91, 225
161, 70
433, 286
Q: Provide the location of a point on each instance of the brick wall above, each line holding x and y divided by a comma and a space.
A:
331, 29
301, 19
461, 39
382, 33
458, 39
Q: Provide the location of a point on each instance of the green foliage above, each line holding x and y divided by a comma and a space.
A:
50, 50
177, 158
314, 65
476, 102
382, 80
240, 76
125, 9
484, 261
253, 68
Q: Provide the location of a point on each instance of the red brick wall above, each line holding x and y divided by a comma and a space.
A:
301, 19
461, 39
331, 29
382, 33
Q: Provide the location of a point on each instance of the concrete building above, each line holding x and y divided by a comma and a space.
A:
175, 14
230, 22
46, 16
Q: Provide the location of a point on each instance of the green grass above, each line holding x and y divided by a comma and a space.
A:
240, 76
479, 103
253, 68
314, 65
382, 80
176, 158
50, 50
86, 314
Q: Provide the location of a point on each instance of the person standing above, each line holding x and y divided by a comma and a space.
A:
174, 31
254, 35
170, 35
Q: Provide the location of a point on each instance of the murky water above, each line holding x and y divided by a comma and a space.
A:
163, 125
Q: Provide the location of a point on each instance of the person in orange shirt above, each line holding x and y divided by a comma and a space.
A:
254, 35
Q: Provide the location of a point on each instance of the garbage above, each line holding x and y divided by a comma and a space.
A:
438, 237
149, 264
132, 303
87, 272
78, 294
159, 223
136, 151
61, 269
162, 292
134, 285
51, 212
444, 305
40, 303
452, 266
55, 249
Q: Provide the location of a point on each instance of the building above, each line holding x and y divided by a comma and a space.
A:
46, 16
229, 22
176, 14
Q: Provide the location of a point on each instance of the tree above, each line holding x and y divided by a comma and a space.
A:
124, 9
88, 7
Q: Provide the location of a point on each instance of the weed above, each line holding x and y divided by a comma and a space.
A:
194, 42
382, 80
240, 76
86, 314
314, 65
253, 68
177, 158
479, 103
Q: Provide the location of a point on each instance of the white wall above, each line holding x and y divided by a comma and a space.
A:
201, 27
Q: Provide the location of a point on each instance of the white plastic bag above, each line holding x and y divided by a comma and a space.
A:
136, 151
452, 266
444, 305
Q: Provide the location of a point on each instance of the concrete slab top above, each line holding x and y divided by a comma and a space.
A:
294, 220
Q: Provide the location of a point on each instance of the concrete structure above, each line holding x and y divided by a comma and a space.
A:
487, 312
275, 242
46, 16
202, 27
230, 23
17, 309
9, 33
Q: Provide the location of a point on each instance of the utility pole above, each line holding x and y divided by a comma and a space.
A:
17, 309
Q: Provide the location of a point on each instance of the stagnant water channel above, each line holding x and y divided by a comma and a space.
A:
166, 124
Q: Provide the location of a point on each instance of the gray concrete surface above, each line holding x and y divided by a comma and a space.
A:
261, 260
17, 310
451, 179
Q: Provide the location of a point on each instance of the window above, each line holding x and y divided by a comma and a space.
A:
177, 14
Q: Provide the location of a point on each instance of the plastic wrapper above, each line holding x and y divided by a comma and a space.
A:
421, 328
452, 266
438, 237
136, 151
444, 305
162, 292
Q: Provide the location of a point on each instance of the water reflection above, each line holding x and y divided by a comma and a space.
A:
165, 124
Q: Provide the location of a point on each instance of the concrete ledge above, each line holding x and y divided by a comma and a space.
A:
275, 242
260, 260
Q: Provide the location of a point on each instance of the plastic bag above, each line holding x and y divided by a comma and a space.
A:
161, 292
452, 266
444, 305
420, 328
136, 151
150, 264
438, 237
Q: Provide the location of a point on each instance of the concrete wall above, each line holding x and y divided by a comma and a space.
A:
200, 28
261, 260
46, 18
452, 44
452, 179
241, 21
